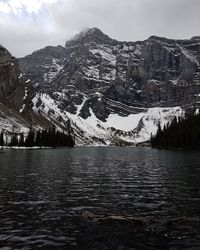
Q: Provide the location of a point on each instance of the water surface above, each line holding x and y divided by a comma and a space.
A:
44, 192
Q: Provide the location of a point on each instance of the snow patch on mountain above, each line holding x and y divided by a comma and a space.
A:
133, 128
127, 123
11, 122
91, 72
188, 55
105, 53
154, 117
53, 70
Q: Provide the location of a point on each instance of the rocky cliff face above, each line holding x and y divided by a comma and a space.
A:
16, 93
96, 75
12, 83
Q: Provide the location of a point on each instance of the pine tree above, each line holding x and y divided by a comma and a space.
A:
2, 139
38, 140
21, 140
184, 133
30, 139
14, 140
49, 138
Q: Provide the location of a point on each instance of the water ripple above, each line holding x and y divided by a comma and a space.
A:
43, 193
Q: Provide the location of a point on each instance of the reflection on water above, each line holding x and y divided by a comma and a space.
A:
44, 192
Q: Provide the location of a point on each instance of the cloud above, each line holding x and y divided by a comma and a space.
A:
24, 41
27, 25
16, 6
131, 19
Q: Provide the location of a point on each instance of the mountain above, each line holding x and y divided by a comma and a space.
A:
16, 93
114, 92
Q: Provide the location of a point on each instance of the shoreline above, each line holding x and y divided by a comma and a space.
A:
29, 148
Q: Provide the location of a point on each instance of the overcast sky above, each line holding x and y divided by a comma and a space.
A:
28, 25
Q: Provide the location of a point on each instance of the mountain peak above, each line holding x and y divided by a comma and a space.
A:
158, 38
195, 38
95, 30
88, 35
85, 32
2, 48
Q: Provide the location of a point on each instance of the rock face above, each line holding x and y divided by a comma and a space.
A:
96, 75
12, 84
44, 65
16, 95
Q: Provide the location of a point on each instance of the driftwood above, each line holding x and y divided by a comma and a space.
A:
88, 216
145, 223
105, 232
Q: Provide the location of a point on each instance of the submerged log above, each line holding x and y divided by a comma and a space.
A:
133, 222
146, 223
131, 232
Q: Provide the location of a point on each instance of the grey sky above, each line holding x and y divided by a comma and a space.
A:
28, 25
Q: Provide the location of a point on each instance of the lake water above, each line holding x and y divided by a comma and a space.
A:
44, 192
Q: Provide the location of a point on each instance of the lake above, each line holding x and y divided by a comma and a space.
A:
43, 194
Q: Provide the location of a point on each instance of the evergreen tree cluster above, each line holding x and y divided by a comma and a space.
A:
181, 133
1, 139
41, 138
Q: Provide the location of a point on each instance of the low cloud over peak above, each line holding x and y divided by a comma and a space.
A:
29, 25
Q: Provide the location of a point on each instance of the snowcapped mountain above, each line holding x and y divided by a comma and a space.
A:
111, 90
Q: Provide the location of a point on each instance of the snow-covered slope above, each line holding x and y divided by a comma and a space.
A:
115, 130
11, 121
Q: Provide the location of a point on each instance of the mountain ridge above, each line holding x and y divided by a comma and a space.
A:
95, 78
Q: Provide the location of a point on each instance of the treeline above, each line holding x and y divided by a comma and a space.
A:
41, 138
181, 133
